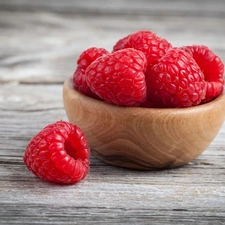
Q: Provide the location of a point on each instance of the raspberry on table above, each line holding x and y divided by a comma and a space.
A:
84, 60
212, 67
59, 153
176, 81
119, 78
153, 46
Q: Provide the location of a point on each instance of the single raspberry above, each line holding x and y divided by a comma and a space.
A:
212, 68
59, 153
148, 42
121, 44
90, 55
176, 81
119, 77
85, 59
80, 83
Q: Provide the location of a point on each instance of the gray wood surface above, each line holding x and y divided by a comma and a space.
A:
39, 45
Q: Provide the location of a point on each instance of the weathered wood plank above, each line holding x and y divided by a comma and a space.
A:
40, 43
118, 7
109, 195
42, 47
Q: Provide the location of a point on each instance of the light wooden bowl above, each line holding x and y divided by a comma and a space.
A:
144, 138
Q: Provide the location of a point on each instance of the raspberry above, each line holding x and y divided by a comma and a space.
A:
79, 80
176, 81
121, 44
119, 77
212, 68
59, 153
85, 59
148, 42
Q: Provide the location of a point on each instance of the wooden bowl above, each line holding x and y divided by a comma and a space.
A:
144, 138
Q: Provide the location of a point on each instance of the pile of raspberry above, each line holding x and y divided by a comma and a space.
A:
145, 70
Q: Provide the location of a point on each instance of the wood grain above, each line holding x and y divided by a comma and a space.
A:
48, 54
40, 43
191, 194
120, 7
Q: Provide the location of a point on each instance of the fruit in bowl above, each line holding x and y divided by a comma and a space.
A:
147, 105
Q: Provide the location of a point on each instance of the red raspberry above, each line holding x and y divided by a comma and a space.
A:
90, 55
85, 59
119, 77
58, 153
122, 43
176, 81
212, 67
148, 42
79, 80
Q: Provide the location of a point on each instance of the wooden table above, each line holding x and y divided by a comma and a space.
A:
40, 42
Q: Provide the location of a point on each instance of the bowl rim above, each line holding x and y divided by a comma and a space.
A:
132, 109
